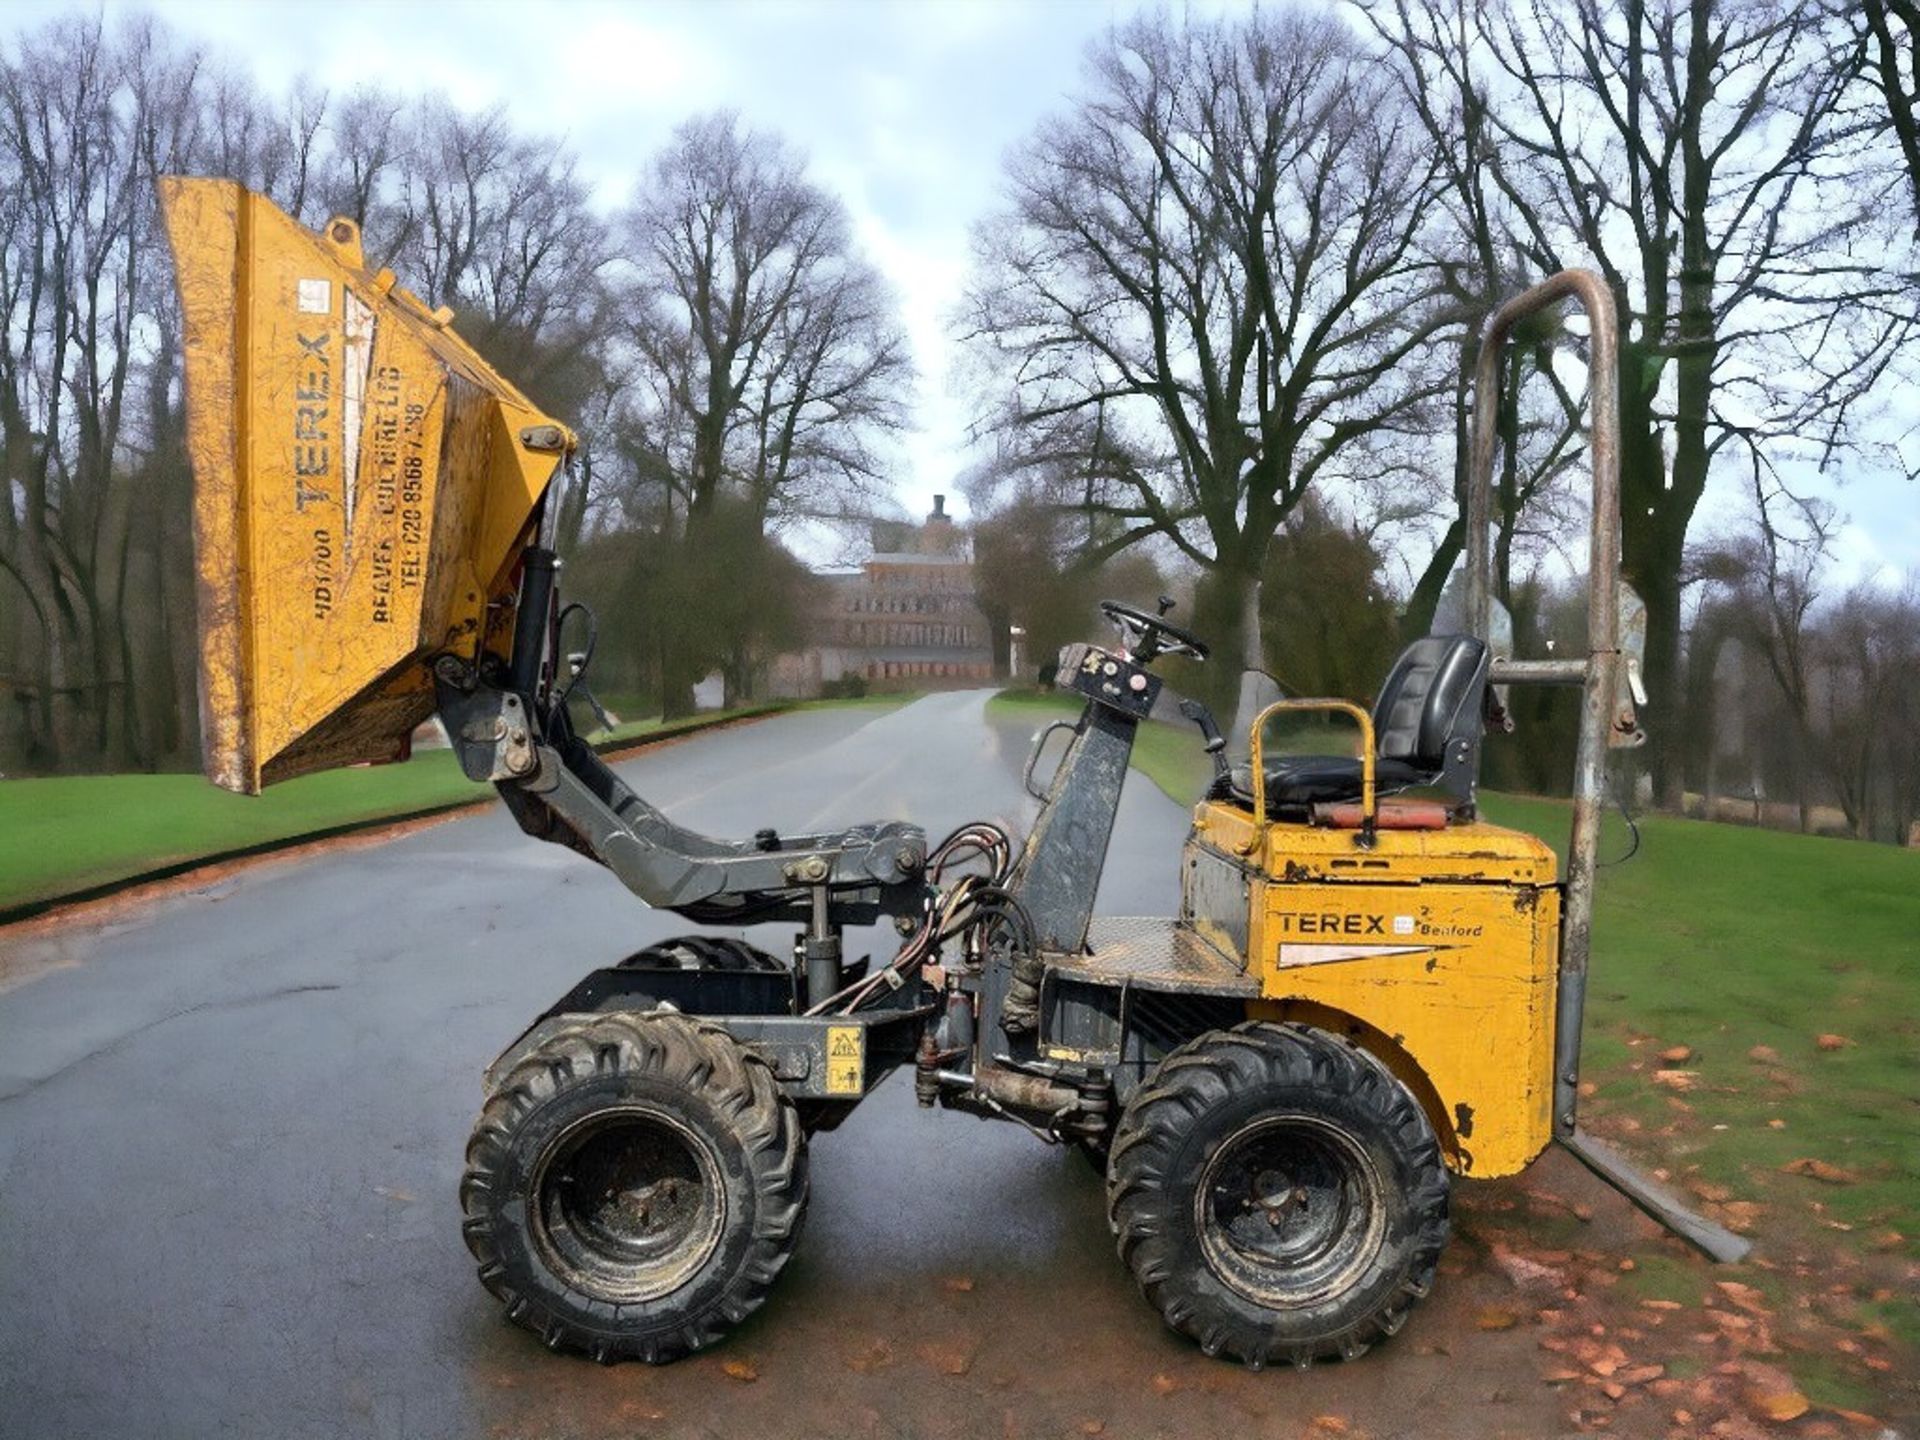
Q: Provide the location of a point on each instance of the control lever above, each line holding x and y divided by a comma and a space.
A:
1216, 743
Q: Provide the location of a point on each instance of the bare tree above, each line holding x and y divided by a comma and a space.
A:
773, 356
767, 363
498, 227
96, 594
1696, 152
73, 103
1208, 282
1890, 43
831, 387
1482, 263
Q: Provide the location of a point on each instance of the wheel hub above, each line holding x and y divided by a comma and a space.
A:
626, 1204
1290, 1210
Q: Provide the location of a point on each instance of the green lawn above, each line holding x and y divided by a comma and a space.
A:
1745, 946
67, 833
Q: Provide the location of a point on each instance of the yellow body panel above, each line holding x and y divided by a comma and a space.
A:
1436, 949
363, 486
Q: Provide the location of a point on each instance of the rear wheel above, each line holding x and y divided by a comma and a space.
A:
634, 1186
702, 952
1278, 1195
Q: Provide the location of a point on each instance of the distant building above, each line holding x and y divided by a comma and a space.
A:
905, 620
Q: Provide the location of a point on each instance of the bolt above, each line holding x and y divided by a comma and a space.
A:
342, 232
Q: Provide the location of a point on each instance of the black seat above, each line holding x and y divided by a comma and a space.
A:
1426, 727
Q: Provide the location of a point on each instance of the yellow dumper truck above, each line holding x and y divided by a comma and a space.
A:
1369, 990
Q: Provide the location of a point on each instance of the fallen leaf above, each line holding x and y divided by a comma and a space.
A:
1745, 1296
876, 1354
745, 1371
1093, 1427
1330, 1425
959, 1284
1776, 1123
1640, 1374
1764, 1055
1779, 1404
1662, 1305
1740, 1216
1888, 1240
949, 1357
1833, 1042
1524, 1272
1676, 1079
1602, 1359
1857, 1417
1820, 1170
1164, 1384
1496, 1317
1678, 1055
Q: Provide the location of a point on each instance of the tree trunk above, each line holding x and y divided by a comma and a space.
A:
1226, 614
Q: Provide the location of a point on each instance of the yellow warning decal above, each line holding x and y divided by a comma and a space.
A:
846, 1059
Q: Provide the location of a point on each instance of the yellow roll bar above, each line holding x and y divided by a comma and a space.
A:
1257, 759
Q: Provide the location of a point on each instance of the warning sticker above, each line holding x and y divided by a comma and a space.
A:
315, 297
846, 1059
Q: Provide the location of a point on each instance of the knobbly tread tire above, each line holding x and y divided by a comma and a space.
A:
704, 952
722, 1091
1204, 1093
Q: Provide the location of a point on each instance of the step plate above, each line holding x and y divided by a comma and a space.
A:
1153, 953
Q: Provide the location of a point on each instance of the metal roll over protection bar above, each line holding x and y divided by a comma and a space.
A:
1256, 759
1599, 677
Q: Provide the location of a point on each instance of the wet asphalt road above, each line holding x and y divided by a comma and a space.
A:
232, 1121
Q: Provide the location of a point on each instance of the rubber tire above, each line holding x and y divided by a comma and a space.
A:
1206, 1092
703, 952
724, 1094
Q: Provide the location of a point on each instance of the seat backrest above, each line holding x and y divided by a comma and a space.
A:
1435, 688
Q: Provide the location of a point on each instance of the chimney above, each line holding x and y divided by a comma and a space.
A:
939, 508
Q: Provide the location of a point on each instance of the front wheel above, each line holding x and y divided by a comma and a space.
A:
634, 1186
1278, 1195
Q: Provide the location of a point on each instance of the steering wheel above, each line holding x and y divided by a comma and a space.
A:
1148, 636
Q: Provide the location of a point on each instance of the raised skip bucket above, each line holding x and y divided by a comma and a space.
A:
364, 484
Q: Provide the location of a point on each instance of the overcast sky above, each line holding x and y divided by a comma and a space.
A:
904, 109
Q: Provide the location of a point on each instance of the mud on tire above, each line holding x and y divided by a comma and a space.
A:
1278, 1195
634, 1186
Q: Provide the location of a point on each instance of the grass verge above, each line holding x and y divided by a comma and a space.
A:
67, 834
